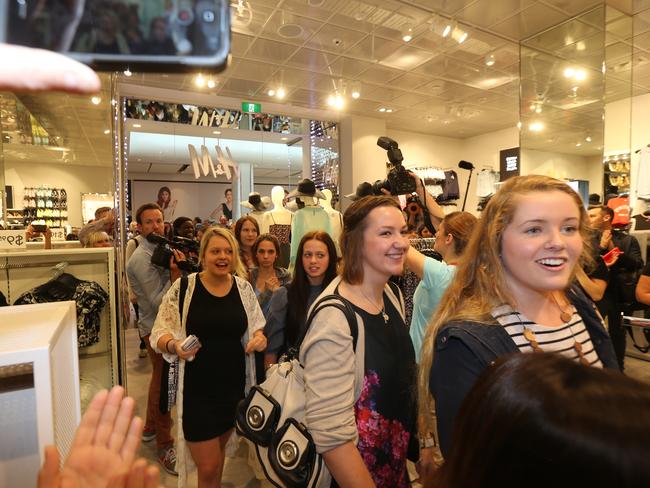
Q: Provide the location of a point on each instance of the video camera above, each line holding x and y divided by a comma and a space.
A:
165, 250
398, 181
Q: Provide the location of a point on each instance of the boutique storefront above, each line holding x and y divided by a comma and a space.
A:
545, 87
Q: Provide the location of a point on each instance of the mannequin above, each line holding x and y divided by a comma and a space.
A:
278, 222
336, 220
310, 217
258, 206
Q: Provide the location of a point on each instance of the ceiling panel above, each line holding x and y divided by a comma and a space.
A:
529, 21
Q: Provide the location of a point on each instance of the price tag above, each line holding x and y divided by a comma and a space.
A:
12, 239
58, 233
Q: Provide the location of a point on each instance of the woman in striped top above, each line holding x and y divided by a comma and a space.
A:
513, 293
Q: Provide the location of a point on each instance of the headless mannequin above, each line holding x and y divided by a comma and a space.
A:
336, 221
278, 223
311, 217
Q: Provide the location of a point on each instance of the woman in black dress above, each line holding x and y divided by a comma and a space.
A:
220, 308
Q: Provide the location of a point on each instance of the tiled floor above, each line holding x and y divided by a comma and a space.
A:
237, 473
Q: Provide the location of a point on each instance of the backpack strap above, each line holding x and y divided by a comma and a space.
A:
344, 306
398, 298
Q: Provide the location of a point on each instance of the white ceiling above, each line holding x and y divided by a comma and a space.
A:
434, 85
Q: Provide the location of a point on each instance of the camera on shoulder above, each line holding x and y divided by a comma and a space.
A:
164, 251
398, 181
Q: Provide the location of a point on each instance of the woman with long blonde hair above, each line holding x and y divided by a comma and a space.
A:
512, 293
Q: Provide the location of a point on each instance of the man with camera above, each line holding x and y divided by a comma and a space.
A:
149, 282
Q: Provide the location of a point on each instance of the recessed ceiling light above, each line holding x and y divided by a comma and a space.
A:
284, 138
407, 33
490, 59
389, 110
271, 92
216, 132
107, 131
447, 30
211, 84
137, 126
569, 72
588, 139
96, 100
536, 126
280, 93
578, 144
199, 81
127, 72
382, 109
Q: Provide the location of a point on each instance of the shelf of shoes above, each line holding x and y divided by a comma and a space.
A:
48, 204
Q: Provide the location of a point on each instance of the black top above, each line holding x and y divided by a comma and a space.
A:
226, 211
385, 411
219, 369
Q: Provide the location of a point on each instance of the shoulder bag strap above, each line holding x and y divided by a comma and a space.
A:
344, 306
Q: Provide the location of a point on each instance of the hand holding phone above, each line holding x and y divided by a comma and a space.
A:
191, 342
611, 256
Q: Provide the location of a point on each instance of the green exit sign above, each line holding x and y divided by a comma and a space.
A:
251, 108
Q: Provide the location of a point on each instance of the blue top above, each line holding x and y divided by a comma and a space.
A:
264, 297
436, 279
149, 283
306, 220
464, 349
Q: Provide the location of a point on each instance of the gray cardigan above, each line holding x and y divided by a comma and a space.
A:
333, 373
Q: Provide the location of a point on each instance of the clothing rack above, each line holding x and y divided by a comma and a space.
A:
54, 264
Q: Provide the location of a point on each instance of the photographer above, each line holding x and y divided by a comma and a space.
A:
149, 283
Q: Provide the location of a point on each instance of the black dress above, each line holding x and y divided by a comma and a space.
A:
214, 382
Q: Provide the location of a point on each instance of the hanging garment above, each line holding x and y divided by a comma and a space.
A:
643, 174
621, 208
451, 190
89, 297
486, 181
283, 233
305, 220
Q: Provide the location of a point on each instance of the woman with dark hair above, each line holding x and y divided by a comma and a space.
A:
359, 400
512, 292
246, 232
183, 227
540, 420
266, 277
314, 270
451, 238
165, 202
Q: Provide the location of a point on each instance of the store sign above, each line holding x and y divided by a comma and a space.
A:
204, 165
58, 233
509, 163
251, 108
12, 239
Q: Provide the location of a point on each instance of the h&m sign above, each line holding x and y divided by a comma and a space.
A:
204, 165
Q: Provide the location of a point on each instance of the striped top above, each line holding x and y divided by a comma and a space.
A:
550, 339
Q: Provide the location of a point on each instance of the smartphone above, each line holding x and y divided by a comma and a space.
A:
190, 342
608, 257
145, 35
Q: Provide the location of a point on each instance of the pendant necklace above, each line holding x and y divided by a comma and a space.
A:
381, 309
529, 334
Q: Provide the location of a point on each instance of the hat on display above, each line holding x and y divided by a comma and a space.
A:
363, 190
257, 202
306, 188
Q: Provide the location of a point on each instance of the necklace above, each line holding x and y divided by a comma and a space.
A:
381, 309
564, 315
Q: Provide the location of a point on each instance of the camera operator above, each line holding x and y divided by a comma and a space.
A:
149, 283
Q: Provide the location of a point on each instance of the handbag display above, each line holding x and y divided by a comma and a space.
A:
272, 416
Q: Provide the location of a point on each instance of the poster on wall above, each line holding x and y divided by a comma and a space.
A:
181, 199
510, 163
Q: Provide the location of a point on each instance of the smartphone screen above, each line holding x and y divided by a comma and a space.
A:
144, 35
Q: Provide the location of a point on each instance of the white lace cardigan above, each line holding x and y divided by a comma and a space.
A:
168, 321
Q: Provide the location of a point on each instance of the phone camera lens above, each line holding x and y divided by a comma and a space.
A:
208, 16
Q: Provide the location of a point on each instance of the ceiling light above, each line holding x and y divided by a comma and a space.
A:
280, 93
588, 139
407, 33
216, 132
490, 59
519, 125
382, 109
211, 83
389, 110
578, 144
96, 100
284, 138
447, 30
271, 92
581, 46
463, 37
107, 131
355, 90
569, 72
137, 126
336, 101
127, 72
536, 127
580, 75
199, 81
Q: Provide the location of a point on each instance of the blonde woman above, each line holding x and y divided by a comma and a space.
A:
221, 309
513, 292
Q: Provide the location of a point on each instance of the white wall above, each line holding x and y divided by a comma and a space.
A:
74, 179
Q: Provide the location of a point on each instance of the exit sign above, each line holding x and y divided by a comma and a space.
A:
251, 108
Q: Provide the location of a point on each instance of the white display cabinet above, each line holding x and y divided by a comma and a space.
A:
23, 271
39, 387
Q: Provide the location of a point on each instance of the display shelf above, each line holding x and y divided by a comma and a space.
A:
39, 386
22, 271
